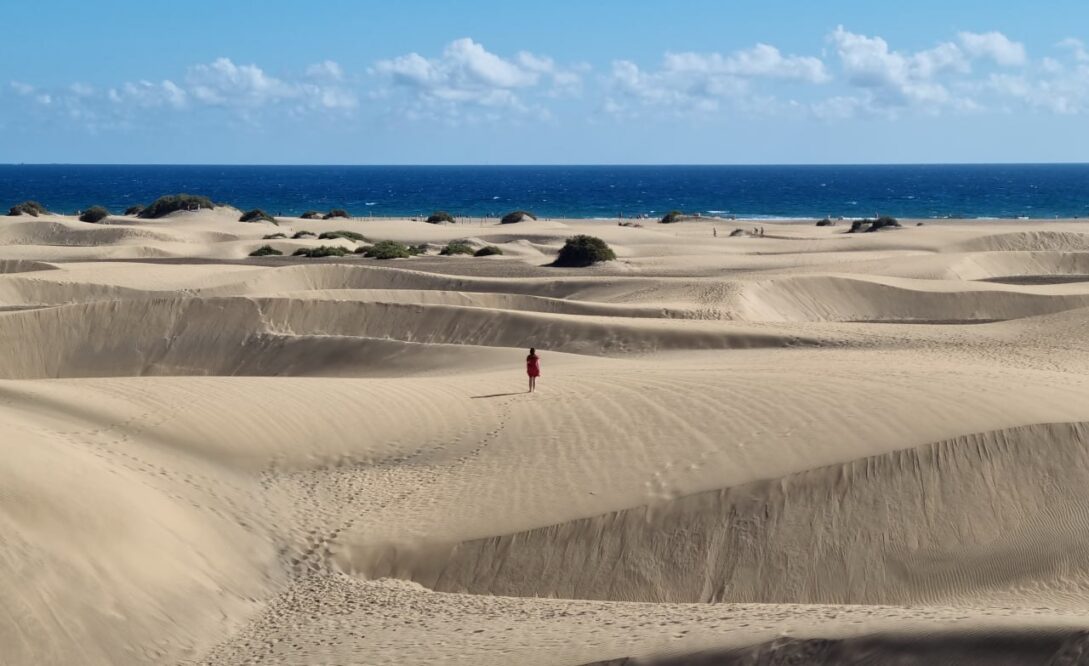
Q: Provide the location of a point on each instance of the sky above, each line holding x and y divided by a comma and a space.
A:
555, 82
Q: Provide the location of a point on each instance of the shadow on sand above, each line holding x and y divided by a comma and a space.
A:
496, 395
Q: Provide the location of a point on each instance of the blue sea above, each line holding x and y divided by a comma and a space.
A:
925, 191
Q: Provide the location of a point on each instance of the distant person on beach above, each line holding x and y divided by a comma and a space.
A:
533, 368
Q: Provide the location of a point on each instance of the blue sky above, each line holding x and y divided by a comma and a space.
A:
546, 82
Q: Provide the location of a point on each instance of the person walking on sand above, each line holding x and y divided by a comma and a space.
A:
533, 368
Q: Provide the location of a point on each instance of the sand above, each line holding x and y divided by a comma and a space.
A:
810, 445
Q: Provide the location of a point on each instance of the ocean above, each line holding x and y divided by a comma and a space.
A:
768, 192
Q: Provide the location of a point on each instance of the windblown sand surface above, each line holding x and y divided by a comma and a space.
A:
819, 446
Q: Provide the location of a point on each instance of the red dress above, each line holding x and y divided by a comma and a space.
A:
533, 366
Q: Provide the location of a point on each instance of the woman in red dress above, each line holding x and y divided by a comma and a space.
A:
533, 368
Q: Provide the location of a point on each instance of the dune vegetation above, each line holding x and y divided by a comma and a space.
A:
31, 208
266, 251
175, 202
348, 235
582, 250
440, 217
517, 216
257, 215
321, 251
94, 214
388, 249
455, 248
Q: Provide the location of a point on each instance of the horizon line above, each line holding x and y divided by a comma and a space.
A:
542, 164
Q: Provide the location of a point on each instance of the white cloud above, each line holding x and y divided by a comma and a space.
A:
222, 82
705, 82
245, 91
1063, 92
928, 81
1076, 47
993, 45
761, 61
31, 92
248, 87
895, 78
146, 94
468, 75
325, 70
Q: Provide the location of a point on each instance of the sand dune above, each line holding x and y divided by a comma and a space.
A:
810, 446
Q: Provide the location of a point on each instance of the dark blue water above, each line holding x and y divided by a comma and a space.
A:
959, 191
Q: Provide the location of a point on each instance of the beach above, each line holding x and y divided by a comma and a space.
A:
749, 438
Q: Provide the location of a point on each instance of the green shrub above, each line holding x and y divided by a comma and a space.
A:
440, 216
321, 251
311, 215
487, 251
266, 251
583, 250
304, 234
387, 250
31, 208
274, 236
671, 217
516, 216
350, 235
134, 210
94, 214
455, 248
825, 223
417, 250
175, 202
257, 215
336, 212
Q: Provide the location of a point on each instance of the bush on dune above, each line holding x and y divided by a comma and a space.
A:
304, 234
321, 251
885, 222
175, 202
388, 250
416, 250
825, 223
350, 235
266, 251
274, 236
31, 208
517, 216
487, 251
336, 212
867, 225
583, 250
257, 215
94, 214
311, 215
671, 217
440, 216
134, 210
455, 248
